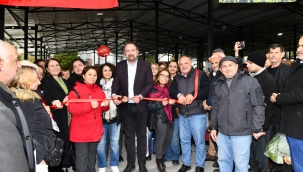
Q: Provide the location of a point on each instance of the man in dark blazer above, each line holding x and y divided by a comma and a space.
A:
133, 79
291, 102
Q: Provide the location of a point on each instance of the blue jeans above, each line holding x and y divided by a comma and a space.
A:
193, 126
296, 153
151, 143
233, 149
113, 131
173, 151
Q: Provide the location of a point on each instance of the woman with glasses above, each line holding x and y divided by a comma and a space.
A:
164, 116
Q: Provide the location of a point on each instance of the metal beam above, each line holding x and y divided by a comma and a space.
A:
2, 22
156, 31
210, 27
26, 33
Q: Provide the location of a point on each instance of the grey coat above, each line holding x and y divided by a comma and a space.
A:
12, 154
238, 110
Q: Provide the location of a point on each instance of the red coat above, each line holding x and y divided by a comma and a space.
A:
86, 122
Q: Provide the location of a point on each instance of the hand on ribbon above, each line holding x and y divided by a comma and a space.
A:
117, 99
189, 99
57, 104
182, 100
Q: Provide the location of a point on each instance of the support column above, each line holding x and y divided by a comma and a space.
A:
2, 22
200, 54
105, 58
26, 34
44, 52
252, 43
289, 52
176, 52
117, 34
94, 57
156, 30
41, 40
36, 42
295, 41
210, 27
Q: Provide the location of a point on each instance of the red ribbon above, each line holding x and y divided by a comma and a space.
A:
120, 98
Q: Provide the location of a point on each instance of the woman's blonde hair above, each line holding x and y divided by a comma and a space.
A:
26, 76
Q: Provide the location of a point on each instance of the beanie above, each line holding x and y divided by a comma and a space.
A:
258, 57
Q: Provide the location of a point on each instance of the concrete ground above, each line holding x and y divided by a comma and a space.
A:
152, 167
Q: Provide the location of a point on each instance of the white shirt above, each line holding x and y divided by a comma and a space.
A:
131, 72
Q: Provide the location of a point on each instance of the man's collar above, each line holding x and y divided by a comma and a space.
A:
128, 63
6, 89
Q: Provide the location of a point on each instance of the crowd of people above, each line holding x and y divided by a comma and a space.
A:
241, 109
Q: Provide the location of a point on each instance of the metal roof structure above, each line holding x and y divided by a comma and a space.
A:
178, 25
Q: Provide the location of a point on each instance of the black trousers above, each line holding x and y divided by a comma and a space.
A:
86, 156
258, 161
164, 135
135, 124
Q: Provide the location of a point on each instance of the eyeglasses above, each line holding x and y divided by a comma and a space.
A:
163, 75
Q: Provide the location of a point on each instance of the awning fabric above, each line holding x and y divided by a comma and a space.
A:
87, 4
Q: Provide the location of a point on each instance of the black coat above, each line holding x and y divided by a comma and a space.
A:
280, 77
291, 102
158, 109
73, 79
53, 91
39, 123
268, 86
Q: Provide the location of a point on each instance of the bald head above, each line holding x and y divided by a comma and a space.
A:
9, 63
185, 65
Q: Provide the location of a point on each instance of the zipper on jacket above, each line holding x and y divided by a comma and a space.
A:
228, 110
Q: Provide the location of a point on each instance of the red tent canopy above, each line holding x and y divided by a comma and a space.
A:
88, 4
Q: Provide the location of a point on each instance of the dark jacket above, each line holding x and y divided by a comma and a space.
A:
143, 81
268, 86
186, 85
38, 120
157, 108
212, 86
73, 79
13, 149
239, 109
291, 102
280, 77
53, 91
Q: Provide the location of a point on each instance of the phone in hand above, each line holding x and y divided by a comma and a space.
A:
242, 44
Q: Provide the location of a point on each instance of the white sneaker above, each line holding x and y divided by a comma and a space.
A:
102, 169
115, 168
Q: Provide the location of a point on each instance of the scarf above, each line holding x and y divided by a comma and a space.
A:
163, 92
107, 89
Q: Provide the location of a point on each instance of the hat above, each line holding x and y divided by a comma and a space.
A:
216, 57
227, 58
258, 57
30, 64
